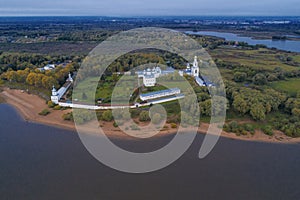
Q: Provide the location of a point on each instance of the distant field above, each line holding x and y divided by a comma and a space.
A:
296, 58
262, 59
50, 48
291, 86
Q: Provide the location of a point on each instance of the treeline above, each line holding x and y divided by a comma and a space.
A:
259, 102
211, 42
34, 77
90, 35
21, 61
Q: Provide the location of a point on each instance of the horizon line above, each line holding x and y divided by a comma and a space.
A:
143, 16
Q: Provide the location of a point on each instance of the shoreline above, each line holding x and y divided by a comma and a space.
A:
251, 34
28, 106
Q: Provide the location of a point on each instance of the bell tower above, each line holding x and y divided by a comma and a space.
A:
195, 68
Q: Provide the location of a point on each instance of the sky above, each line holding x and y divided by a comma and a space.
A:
149, 7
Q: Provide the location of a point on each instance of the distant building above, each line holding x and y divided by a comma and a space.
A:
47, 67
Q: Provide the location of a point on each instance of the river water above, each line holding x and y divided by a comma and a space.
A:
287, 45
42, 162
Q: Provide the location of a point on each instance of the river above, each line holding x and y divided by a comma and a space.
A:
42, 162
287, 45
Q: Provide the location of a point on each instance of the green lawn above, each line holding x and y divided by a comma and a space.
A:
291, 86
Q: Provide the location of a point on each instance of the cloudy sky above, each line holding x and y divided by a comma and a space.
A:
149, 7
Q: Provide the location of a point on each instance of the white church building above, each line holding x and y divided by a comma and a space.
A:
150, 75
192, 70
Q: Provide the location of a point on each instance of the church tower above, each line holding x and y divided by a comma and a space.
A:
70, 78
195, 68
54, 96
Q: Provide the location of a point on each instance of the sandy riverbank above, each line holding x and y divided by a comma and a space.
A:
30, 105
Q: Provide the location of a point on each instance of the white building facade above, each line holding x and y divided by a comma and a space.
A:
150, 75
57, 95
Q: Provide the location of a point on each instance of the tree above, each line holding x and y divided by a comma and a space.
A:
11, 76
240, 76
205, 107
48, 82
259, 79
240, 105
30, 78
258, 112
115, 78
22, 75
296, 112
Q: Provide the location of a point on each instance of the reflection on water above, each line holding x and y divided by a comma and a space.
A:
287, 45
41, 162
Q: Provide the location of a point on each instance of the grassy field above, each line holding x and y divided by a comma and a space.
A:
261, 59
103, 91
291, 86
296, 58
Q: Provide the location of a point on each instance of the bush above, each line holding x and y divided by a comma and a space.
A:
115, 124
50, 104
57, 107
173, 125
226, 128
243, 132
240, 76
144, 116
267, 130
239, 129
249, 128
107, 116
68, 116
259, 79
44, 112
234, 126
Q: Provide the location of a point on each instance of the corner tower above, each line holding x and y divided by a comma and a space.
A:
54, 96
